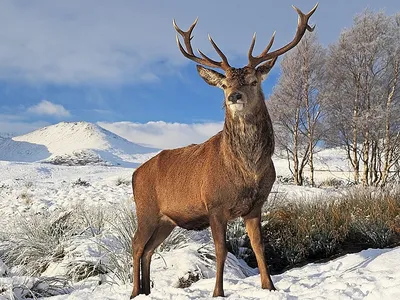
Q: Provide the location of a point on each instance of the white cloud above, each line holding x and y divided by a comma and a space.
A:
81, 42
48, 108
164, 135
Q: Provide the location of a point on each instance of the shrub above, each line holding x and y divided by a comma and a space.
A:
375, 216
117, 242
80, 182
35, 242
123, 181
117, 246
285, 179
32, 243
178, 238
332, 182
236, 239
189, 279
303, 231
82, 269
33, 288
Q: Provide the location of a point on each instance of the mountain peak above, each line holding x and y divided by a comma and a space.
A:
76, 140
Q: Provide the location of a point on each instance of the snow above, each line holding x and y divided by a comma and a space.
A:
74, 143
35, 187
22, 151
370, 274
29, 187
328, 164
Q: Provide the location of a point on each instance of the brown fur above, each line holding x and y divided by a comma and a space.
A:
193, 187
228, 176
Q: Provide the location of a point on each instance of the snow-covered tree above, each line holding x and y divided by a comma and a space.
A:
295, 106
361, 92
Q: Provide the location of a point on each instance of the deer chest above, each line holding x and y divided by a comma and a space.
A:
245, 201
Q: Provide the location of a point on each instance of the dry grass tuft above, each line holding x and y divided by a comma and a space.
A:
303, 231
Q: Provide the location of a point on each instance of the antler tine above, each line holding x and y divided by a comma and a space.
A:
186, 35
254, 61
188, 53
307, 16
220, 53
302, 27
269, 44
253, 42
210, 60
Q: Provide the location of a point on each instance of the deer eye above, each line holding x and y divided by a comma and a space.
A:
254, 83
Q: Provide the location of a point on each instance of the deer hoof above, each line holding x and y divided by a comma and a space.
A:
133, 295
270, 287
218, 294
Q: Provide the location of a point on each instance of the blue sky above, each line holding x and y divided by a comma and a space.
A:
113, 61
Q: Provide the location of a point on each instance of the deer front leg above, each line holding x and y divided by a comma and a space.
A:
218, 229
253, 227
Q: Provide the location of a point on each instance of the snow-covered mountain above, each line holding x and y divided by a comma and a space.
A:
74, 143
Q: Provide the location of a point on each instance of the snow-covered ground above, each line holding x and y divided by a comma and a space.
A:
370, 274
36, 187
30, 188
328, 164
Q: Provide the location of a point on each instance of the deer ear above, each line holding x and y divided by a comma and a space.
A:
210, 76
264, 69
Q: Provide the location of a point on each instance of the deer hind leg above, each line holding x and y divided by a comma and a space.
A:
218, 229
160, 234
142, 235
253, 227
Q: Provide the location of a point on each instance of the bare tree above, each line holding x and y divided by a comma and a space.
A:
391, 140
295, 106
360, 95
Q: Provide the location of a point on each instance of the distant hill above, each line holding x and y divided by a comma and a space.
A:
74, 143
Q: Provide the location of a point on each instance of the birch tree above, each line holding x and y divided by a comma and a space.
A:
391, 139
361, 94
295, 106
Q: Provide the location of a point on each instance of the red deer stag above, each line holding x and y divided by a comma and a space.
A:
228, 176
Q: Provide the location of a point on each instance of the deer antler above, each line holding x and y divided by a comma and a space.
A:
302, 26
188, 53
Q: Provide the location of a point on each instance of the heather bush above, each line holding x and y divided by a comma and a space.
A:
375, 216
302, 231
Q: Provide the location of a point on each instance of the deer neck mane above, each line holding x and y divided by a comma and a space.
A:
249, 139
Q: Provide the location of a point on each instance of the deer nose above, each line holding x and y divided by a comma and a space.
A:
234, 97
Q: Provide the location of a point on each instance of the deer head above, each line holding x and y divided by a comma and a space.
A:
241, 86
